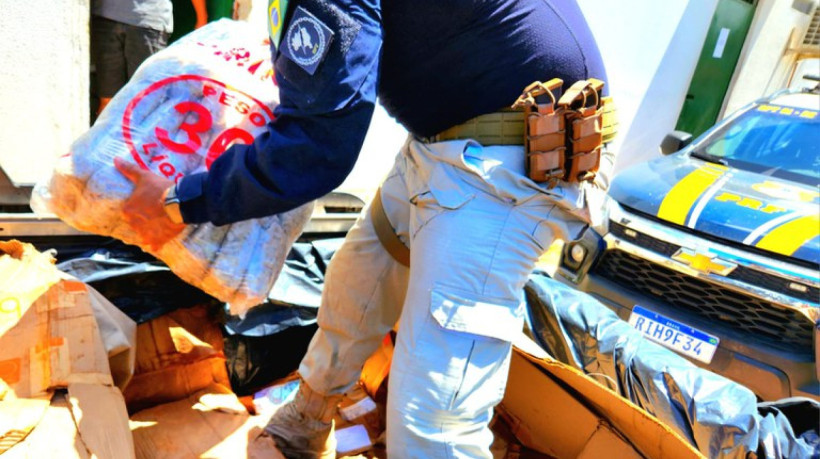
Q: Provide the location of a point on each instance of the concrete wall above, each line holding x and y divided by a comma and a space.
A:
650, 49
43, 83
765, 63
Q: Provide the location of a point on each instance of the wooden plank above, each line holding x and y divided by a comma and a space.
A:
102, 420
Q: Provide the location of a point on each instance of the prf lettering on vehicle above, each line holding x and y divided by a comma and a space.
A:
789, 111
751, 203
784, 217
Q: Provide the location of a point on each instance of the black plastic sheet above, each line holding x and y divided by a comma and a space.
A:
139, 285
719, 417
255, 361
270, 341
295, 297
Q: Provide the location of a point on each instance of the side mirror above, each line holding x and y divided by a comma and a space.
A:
675, 141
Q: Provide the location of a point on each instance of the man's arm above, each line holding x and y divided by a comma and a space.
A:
327, 69
201, 13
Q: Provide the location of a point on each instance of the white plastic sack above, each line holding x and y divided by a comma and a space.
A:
184, 106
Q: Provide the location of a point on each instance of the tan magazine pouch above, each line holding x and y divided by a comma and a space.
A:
545, 134
583, 111
563, 139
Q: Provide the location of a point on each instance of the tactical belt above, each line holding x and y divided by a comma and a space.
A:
385, 232
506, 127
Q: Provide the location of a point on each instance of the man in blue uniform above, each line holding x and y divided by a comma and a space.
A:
474, 222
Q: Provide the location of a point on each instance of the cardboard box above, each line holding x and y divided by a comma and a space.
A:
57, 394
557, 410
177, 354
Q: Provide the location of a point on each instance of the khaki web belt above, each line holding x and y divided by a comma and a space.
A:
385, 232
505, 127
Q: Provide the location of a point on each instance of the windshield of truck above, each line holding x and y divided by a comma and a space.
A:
771, 139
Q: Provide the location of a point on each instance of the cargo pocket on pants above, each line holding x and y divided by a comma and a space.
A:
491, 324
443, 192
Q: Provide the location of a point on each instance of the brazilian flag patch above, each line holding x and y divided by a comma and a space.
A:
276, 16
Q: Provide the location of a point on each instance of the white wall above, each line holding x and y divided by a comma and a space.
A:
765, 65
650, 49
43, 83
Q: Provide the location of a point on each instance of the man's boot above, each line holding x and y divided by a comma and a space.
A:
303, 428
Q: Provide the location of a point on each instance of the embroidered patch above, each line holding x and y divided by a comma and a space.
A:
307, 40
276, 15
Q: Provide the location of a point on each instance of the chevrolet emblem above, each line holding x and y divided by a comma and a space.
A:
705, 263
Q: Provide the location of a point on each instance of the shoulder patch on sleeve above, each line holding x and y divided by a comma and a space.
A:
306, 41
276, 16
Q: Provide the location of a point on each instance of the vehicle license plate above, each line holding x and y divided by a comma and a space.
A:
674, 335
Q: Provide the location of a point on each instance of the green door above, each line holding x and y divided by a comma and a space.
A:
716, 65
185, 16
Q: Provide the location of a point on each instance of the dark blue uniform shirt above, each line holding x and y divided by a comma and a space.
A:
433, 63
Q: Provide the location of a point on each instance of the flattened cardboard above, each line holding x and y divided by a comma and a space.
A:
605, 442
55, 435
101, 419
195, 428
543, 415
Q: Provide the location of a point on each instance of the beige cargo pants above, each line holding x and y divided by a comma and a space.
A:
475, 225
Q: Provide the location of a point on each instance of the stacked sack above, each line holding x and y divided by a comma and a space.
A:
182, 108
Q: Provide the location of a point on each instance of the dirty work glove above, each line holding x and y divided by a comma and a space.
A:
144, 210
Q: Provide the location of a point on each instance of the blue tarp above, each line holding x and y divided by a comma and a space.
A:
716, 415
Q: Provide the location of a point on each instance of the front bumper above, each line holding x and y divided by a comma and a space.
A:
768, 339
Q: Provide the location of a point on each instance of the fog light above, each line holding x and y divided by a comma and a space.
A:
578, 253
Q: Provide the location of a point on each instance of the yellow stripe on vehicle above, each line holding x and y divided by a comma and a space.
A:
683, 196
790, 236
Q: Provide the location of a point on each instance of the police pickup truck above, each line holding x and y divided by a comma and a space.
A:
714, 250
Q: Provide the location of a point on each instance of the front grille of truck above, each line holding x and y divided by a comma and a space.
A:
741, 273
781, 327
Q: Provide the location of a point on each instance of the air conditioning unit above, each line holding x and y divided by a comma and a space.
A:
811, 39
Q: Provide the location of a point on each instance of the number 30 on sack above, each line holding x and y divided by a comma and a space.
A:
154, 148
